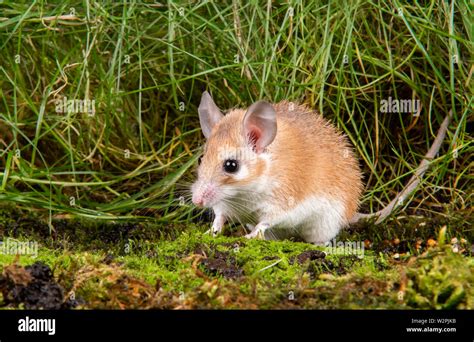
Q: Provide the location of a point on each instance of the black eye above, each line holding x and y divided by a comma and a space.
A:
231, 165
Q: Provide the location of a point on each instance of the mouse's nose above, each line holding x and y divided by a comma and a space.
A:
204, 195
198, 201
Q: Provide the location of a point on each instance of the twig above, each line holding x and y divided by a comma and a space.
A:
270, 266
414, 180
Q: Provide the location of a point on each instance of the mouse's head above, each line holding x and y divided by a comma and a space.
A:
235, 157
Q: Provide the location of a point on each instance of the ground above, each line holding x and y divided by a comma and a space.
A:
407, 262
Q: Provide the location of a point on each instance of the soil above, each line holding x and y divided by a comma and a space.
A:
168, 269
310, 255
318, 263
34, 287
219, 263
75, 234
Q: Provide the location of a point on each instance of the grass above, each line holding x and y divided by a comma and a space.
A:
145, 66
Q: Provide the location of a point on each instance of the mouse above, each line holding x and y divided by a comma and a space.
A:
281, 170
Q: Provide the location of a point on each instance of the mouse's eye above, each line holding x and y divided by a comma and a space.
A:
231, 165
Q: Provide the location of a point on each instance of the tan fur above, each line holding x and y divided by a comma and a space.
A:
308, 157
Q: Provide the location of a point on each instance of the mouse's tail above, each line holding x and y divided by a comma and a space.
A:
414, 180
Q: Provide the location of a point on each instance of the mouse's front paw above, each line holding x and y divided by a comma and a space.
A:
215, 229
211, 232
217, 225
250, 227
258, 232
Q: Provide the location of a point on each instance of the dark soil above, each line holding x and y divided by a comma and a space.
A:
219, 263
34, 286
342, 266
318, 263
310, 255
79, 235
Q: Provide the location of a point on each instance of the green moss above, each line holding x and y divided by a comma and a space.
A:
441, 280
138, 266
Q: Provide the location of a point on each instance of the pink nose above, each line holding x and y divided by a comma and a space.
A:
204, 195
198, 201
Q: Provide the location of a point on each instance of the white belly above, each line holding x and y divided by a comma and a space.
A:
315, 220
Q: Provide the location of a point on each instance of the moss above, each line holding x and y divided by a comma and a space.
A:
441, 279
145, 265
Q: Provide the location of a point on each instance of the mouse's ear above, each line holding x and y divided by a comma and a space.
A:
209, 114
260, 125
